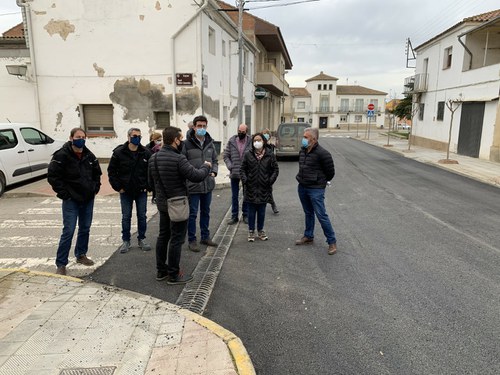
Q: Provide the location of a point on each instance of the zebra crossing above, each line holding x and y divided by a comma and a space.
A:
30, 229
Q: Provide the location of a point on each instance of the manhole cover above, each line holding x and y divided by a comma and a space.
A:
89, 371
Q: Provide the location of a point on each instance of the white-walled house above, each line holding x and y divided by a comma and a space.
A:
110, 65
462, 65
324, 104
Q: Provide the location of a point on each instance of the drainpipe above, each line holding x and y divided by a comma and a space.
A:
466, 50
172, 47
31, 48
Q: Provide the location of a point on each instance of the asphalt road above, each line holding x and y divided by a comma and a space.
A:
413, 289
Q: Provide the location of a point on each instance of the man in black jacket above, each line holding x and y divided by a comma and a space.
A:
316, 169
75, 175
128, 175
168, 171
200, 147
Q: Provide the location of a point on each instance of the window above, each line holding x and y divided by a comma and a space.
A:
358, 118
330, 87
223, 48
344, 105
162, 120
319, 87
448, 52
33, 136
324, 102
324, 86
358, 106
211, 41
301, 105
421, 107
440, 114
245, 62
343, 118
8, 139
98, 120
300, 119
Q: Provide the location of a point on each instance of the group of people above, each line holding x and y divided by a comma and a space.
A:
171, 167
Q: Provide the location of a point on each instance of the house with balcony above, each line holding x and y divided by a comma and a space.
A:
324, 104
272, 63
109, 66
459, 67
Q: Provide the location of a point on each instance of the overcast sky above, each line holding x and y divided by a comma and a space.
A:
358, 41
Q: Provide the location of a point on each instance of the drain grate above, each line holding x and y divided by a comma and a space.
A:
195, 295
109, 370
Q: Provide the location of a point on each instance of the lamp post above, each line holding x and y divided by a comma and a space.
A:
241, 4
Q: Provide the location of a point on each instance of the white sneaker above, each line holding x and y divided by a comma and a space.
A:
251, 236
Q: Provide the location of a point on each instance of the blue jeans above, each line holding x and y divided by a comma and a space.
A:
203, 201
313, 202
127, 202
235, 190
259, 210
71, 212
171, 237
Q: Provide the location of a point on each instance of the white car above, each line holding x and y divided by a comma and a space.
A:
25, 152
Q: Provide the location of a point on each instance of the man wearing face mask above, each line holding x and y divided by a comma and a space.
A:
168, 172
75, 175
316, 169
233, 155
128, 175
199, 147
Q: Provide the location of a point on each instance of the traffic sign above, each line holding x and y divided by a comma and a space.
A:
371, 107
371, 113
260, 93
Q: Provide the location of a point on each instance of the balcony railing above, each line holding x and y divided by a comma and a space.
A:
416, 83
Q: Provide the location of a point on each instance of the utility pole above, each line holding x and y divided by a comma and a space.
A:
241, 4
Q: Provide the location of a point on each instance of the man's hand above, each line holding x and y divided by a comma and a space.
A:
208, 163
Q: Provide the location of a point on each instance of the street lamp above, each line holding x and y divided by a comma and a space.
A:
241, 4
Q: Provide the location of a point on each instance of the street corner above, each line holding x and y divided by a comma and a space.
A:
237, 350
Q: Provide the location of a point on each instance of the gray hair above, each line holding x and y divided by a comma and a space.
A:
133, 130
313, 131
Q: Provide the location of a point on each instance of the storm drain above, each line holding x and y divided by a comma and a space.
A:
195, 295
109, 370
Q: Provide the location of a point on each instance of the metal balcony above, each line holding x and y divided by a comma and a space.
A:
416, 83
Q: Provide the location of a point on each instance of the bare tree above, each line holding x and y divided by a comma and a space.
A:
452, 105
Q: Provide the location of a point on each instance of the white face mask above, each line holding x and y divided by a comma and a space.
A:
258, 144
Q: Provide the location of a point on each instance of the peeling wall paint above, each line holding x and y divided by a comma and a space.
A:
40, 13
100, 71
59, 117
211, 107
158, 6
141, 17
61, 27
140, 99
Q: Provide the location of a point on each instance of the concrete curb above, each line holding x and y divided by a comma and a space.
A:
240, 355
40, 273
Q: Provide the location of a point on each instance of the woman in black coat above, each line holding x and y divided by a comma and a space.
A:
259, 170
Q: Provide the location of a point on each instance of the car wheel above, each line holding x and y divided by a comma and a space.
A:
2, 184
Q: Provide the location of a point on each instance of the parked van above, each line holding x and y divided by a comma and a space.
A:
289, 137
25, 152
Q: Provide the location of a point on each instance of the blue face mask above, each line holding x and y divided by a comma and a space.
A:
79, 143
135, 140
305, 143
201, 132
266, 136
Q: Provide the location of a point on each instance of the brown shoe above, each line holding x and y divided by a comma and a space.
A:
332, 249
85, 261
304, 241
61, 271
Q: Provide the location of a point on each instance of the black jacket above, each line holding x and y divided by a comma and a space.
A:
258, 176
316, 167
173, 169
197, 155
70, 177
128, 170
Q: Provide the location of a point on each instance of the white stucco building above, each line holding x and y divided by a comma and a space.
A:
324, 104
111, 65
462, 64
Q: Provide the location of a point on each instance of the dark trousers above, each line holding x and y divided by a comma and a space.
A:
256, 210
171, 237
235, 190
202, 201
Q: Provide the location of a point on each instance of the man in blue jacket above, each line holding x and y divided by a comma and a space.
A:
128, 175
198, 148
316, 169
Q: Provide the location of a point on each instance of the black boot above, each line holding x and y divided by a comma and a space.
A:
275, 208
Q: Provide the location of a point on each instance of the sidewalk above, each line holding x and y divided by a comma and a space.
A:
481, 170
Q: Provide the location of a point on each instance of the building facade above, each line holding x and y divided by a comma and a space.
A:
108, 66
460, 69
324, 104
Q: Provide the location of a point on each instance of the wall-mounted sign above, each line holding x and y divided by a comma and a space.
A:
260, 93
184, 79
